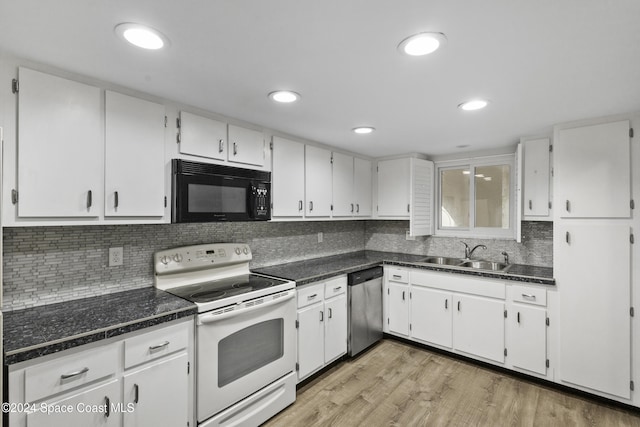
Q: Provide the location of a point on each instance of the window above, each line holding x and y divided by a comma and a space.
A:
476, 197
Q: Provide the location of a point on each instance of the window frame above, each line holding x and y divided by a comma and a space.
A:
472, 231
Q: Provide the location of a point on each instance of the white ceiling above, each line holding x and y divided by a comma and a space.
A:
539, 62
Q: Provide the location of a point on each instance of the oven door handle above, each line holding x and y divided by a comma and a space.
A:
211, 318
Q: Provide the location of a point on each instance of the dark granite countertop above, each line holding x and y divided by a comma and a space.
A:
316, 269
48, 329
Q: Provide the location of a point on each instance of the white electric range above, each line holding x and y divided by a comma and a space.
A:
245, 332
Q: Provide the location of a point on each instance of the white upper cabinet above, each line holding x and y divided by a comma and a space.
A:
287, 179
201, 136
537, 173
60, 147
343, 200
246, 146
593, 171
134, 163
362, 186
317, 182
393, 188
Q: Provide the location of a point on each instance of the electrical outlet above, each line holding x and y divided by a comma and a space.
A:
115, 257
408, 236
320, 237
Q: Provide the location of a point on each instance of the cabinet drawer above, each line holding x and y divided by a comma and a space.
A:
152, 345
69, 372
337, 286
529, 295
397, 275
311, 294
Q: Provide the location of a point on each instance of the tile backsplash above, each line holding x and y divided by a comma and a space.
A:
43, 265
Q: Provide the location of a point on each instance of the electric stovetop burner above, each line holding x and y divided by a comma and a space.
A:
224, 288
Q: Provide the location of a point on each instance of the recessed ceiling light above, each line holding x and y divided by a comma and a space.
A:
142, 36
363, 130
422, 43
284, 96
475, 104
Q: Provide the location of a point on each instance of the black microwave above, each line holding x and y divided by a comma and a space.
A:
203, 192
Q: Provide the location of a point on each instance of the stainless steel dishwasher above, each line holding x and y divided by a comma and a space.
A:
365, 309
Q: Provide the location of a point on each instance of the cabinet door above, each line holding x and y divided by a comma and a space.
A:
342, 179
393, 187
528, 338
317, 181
134, 163
88, 408
536, 177
310, 339
158, 394
592, 265
478, 327
60, 147
398, 308
593, 171
335, 327
287, 178
362, 186
201, 136
431, 316
246, 146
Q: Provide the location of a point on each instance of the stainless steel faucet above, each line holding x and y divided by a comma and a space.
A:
506, 257
468, 251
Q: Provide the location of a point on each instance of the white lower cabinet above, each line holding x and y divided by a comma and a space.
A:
478, 326
105, 384
431, 319
321, 324
527, 329
149, 401
398, 308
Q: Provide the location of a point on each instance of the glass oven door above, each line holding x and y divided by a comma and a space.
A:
205, 198
243, 350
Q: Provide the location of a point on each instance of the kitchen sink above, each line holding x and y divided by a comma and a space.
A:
442, 260
485, 265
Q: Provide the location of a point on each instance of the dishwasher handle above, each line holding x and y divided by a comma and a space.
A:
364, 275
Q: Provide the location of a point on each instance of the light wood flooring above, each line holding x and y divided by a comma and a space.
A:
396, 384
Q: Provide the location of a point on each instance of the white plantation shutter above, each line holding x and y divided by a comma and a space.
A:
421, 197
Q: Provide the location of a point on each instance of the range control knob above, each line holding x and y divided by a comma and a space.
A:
165, 259
245, 250
177, 258
238, 251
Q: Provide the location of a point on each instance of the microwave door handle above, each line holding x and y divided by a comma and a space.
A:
251, 202
212, 318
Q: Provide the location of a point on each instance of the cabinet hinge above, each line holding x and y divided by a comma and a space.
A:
630, 132
331, 158
410, 296
14, 197
505, 314
547, 321
271, 145
551, 172
550, 148
166, 119
505, 352
549, 205
410, 326
388, 291
15, 86
297, 324
297, 367
377, 168
376, 208
632, 312
632, 204
188, 368
331, 208
178, 122
178, 138
631, 385
387, 320
631, 239
547, 363
165, 201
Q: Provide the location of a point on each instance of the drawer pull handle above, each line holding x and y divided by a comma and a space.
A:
108, 407
446, 304
530, 205
402, 295
220, 145
397, 276
159, 346
518, 317
330, 313
310, 297
458, 305
74, 374
337, 289
136, 391
322, 316
529, 296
